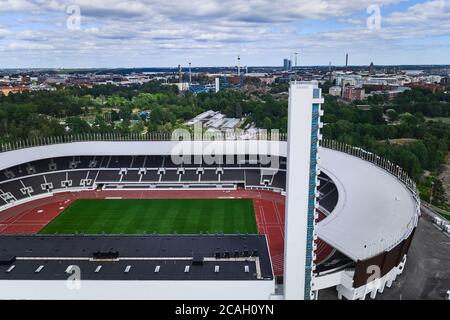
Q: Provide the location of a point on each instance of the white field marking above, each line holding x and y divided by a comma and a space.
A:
113, 198
61, 208
40, 211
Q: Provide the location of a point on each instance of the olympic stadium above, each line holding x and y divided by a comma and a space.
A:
153, 217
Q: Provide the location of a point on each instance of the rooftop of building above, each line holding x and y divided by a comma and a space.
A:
171, 257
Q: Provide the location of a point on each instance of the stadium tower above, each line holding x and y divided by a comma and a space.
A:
302, 159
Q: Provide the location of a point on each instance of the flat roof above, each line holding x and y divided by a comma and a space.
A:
374, 208
141, 254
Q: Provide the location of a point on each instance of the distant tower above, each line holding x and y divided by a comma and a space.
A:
287, 65
239, 66
180, 75
346, 62
329, 71
190, 74
217, 85
304, 114
296, 54
371, 68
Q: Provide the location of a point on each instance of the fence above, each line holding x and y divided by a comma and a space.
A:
375, 246
211, 136
380, 162
151, 136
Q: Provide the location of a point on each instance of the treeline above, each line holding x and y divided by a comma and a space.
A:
113, 108
399, 131
417, 101
424, 146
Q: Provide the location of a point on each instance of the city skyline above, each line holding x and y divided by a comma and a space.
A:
109, 34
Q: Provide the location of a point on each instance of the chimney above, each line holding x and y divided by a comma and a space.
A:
329, 71
180, 76
239, 66
346, 62
190, 74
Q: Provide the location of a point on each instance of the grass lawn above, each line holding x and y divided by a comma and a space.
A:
161, 216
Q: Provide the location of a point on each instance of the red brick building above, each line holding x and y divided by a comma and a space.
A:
7, 90
352, 93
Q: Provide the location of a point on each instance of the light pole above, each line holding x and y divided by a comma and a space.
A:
431, 191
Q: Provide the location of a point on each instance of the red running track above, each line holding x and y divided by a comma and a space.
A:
31, 217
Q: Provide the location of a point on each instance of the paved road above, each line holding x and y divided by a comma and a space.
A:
427, 271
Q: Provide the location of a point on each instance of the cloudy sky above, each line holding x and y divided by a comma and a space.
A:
159, 33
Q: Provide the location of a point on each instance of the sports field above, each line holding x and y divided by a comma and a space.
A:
160, 216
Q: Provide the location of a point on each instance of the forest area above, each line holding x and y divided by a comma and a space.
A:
410, 130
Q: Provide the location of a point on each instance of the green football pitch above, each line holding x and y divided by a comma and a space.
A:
160, 216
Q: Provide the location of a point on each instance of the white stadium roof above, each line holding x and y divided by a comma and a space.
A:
374, 208
373, 212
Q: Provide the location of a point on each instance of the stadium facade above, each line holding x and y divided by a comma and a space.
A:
349, 220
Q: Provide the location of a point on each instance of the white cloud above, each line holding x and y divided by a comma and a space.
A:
234, 10
16, 5
269, 29
28, 46
3, 32
429, 11
30, 35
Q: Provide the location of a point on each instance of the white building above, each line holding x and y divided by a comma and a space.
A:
335, 91
215, 121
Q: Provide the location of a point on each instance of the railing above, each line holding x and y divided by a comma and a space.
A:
372, 248
381, 162
209, 136
151, 136
375, 246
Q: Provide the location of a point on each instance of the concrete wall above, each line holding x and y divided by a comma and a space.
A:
123, 148
137, 290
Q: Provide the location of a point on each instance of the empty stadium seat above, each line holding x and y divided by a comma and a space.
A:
48, 175
108, 176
